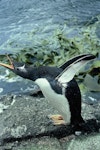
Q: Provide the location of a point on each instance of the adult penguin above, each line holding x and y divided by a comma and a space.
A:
57, 85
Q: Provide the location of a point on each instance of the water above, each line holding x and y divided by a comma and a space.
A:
22, 22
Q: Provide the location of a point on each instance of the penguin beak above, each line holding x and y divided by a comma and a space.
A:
11, 66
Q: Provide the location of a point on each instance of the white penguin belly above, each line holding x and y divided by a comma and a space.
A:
58, 101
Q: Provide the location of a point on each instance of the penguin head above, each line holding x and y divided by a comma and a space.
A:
18, 68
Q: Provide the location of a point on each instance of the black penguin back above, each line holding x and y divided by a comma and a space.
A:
73, 94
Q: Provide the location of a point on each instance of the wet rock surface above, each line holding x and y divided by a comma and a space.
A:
24, 124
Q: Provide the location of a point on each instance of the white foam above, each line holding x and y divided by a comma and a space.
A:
92, 99
3, 107
1, 90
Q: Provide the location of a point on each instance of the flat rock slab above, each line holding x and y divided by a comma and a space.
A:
84, 142
25, 118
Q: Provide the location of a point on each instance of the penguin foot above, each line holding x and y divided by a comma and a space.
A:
57, 119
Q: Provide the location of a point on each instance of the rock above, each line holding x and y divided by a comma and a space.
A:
24, 124
85, 142
43, 143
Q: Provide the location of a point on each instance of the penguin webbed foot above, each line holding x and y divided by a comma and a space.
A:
57, 119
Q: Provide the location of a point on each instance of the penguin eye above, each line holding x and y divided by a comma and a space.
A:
17, 69
21, 68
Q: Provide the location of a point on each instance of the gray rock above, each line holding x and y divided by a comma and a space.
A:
24, 124
86, 142
24, 116
43, 143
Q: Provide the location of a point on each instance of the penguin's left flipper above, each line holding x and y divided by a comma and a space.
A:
70, 71
57, 119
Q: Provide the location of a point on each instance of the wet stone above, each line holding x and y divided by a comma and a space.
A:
26, 119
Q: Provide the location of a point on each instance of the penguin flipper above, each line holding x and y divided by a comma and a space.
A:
71, 61
70, 71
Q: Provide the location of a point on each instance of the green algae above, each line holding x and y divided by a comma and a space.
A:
58, 48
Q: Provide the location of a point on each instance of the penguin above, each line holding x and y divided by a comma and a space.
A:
58, 86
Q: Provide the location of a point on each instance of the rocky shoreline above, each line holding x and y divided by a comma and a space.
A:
25, 125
